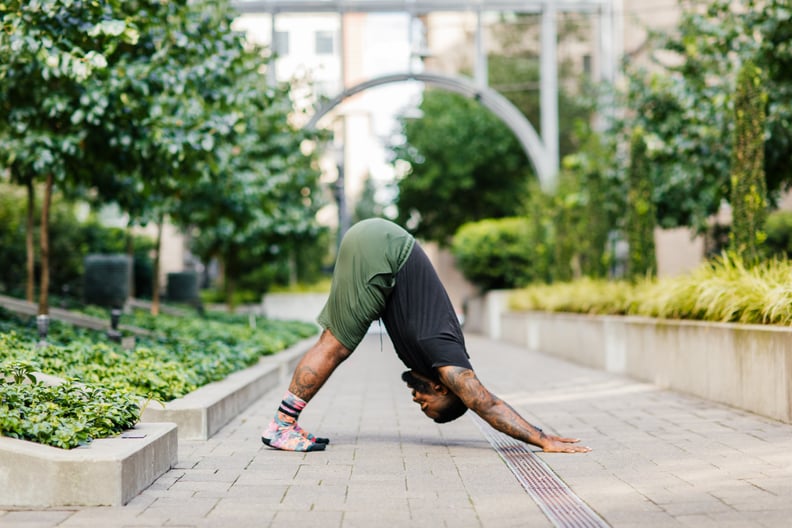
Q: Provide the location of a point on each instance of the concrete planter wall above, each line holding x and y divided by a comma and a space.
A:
746, 366
107, 472
482, 314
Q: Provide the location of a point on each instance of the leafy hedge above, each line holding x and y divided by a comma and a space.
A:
502, 253
779, 234
724, 290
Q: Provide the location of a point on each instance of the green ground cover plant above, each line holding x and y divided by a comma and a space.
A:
186, 353
102, 376
723, 290
64, 416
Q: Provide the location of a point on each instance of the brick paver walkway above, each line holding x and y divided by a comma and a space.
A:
660, 459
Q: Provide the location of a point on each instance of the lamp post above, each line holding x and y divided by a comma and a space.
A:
113, 333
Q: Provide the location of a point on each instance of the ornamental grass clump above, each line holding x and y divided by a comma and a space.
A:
722, 290
584, 295
725, 290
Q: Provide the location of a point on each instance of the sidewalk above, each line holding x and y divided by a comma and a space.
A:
660, 459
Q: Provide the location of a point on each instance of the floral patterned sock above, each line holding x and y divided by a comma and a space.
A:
283, 431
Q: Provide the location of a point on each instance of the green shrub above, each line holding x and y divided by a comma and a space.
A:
778, 227
64, 416
182, 287
502, 253
239, 297
12, 239
107, 279
320, 286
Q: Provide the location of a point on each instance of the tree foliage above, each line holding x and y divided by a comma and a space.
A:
259, 203
598, 193
73, 237
465, 165
460, 156
157, 106
53, 55
685, 104
748, 187
514, 71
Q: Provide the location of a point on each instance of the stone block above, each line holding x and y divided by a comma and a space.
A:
107, 472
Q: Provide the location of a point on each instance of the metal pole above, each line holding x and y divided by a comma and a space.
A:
549, 85
342, 49
607, 62
481, 73
272, 73
607, 44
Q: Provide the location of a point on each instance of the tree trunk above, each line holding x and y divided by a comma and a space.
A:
130, 249
229, 284
43, 308
293, 267
29, 248
155, 291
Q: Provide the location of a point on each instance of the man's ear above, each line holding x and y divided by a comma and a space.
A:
440, 388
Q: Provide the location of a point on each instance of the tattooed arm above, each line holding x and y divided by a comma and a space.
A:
499, 414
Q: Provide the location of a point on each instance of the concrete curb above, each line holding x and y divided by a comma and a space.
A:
108, 472
200, 414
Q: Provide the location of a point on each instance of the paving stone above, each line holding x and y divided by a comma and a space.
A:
34, 519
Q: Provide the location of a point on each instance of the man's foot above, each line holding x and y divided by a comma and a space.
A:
273, 427
309, 436
289, 439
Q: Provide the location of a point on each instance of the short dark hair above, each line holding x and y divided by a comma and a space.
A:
452, 410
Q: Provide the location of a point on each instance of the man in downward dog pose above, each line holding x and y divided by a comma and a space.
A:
381, 272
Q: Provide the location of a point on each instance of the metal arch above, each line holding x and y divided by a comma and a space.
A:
537, 153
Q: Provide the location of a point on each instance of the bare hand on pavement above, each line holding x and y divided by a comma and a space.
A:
558, 444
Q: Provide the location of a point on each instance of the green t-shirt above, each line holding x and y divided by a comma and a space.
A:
371, 254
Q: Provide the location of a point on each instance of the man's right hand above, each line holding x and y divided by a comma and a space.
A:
559, 444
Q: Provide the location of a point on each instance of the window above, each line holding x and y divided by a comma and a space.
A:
281, 44
324, 42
